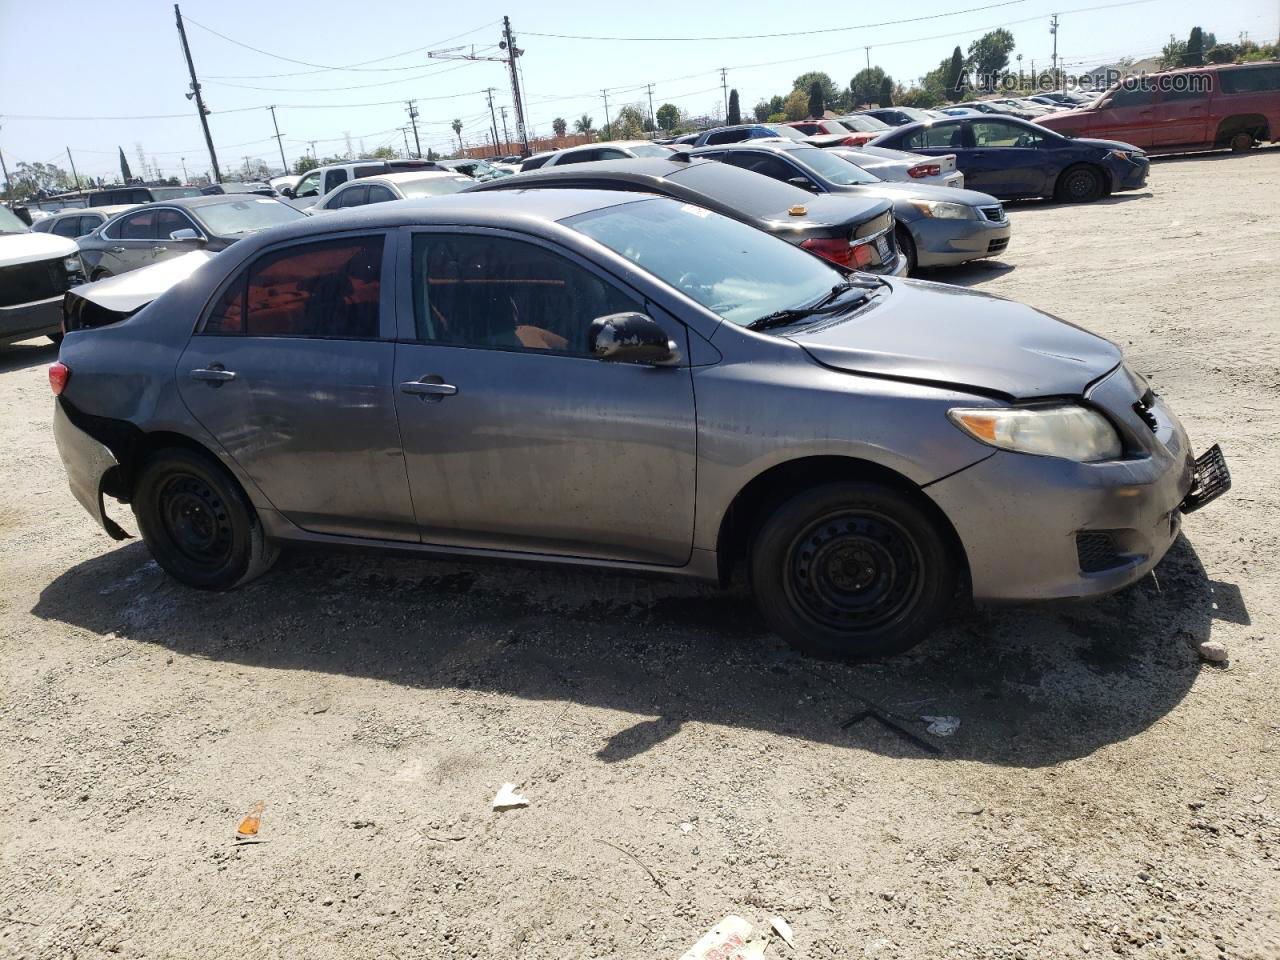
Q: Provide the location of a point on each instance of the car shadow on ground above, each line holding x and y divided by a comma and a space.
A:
971, 274
1031, 686
1215, 155
1042, 203
29, 353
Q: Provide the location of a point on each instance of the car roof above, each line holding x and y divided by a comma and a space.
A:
408, 176
775, 144
635, 169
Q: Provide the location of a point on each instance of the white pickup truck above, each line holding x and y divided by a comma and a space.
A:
36, 269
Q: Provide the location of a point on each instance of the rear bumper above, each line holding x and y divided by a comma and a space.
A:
87, 463
943, 243
25, 320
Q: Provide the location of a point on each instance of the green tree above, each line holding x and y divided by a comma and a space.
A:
955, 84
735, 110
805, 82
629, 124
886, 92
383, 153
1221, 53
989, 57
457, 130
125, 173
796, 106
560, 126
668, 116
865, 85
304, 163
583, 124
778, 117
817, 104
761, 110
30, 179
1193, 54
1172, 53
920, 97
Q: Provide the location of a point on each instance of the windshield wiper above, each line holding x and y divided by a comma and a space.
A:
780, 318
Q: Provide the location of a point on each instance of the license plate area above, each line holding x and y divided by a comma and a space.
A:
885, 251
1212, 480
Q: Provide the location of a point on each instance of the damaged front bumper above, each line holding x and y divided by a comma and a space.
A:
88, 464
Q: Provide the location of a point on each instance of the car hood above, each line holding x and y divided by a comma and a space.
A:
16, 248
134, 290
1105, 144
926, 332
898, 191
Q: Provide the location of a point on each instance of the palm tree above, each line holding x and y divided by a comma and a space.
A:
457, 129
559, 126
583, 124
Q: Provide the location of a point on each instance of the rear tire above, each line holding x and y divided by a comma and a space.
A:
100, 275
908, 247
1079, 184
1242, 142
198, 523
852, 570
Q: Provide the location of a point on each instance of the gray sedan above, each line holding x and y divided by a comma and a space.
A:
631, 382
936, 226
157, 231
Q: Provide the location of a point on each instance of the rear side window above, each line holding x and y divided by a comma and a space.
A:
727, 136
941, 137
140, 226
1250, 79
67, 227
578, 156
329, 290
766, 164
380, 194
369, 171
334, 177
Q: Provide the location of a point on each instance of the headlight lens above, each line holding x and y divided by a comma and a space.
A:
1067, 431
943, 210
72, 264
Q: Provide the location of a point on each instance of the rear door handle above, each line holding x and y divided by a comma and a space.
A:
117, 249
214, 375
159, 249
431, 388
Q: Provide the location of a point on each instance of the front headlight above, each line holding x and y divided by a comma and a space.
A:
943, 210
1067, 431
72, 264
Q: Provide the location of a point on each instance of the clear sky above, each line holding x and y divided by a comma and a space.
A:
64, 65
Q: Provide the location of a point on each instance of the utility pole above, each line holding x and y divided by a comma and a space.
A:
195, 92
724, 85
413, 119
607, 122
405, 131
185, 178
1053, 29
506, 137
513, 52
493, 119
246, 167
284, 164
4, 168
313, 149
868, 49
653, 119
73, 168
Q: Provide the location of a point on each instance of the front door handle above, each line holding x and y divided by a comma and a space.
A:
117, 249
213, 375
431, 388
159, 249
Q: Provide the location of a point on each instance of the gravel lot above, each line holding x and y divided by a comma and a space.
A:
1106, 792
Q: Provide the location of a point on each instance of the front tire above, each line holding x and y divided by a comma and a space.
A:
908, 247
1242, 142
197, 522
1079, 184
852, 570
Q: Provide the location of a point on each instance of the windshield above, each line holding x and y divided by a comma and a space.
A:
838, 170
247, 215
791, 133
649, 150
865, 124
735, 271
434, 186
9, 222
172, 193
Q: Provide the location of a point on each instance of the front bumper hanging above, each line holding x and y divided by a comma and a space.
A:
1212, 480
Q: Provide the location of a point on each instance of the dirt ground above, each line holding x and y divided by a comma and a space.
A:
1106, 792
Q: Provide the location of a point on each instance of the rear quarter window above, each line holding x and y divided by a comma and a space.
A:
1250, 79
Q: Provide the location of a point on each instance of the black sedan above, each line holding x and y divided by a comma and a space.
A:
1008, 158
157, 231
854, 232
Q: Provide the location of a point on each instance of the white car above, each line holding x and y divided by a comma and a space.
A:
390, 186
36, 270
609, 150
904, 167
77, 221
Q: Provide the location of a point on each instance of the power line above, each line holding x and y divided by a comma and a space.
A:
359, 86
770, 36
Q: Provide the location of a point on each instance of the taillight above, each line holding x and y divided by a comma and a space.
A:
925, 170
862, 256
857, 140
59, 374
831, 248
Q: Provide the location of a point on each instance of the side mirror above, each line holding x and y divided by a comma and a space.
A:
631, 338
804, 183
186, 233
286, 192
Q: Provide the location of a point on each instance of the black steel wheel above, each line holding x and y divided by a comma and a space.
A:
1079, 184
852, 570
197, 522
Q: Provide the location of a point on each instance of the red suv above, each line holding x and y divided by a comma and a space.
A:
853, 137
1228, 105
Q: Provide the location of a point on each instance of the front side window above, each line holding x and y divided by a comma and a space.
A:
308, 186
734, 270
832, 168
329, 289
503, 294
578, 156
765, 164
168, 221
727, 136
1139, 96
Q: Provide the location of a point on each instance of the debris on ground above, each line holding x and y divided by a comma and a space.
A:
1212, 651
508, 799
942, 726
783, 929
248, 828
686, 827
727, 940
889, 720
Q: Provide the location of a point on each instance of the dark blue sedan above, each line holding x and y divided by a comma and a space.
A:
1010, 158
